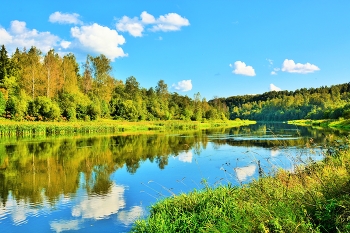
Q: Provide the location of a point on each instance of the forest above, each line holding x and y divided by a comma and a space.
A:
313, 103
49, 87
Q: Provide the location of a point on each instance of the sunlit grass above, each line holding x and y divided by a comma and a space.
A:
13, 128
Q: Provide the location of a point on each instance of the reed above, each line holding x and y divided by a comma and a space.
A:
12, 128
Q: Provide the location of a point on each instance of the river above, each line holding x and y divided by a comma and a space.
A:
103, 183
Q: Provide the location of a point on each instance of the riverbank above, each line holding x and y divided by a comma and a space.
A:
312, 198
13, 128
339, 124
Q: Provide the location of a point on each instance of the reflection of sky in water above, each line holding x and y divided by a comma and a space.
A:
127, 199
185, 156
65, 225
98, 207
244, 172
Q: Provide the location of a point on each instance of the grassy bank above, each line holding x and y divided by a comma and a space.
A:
13, 128
313, 198
339, 124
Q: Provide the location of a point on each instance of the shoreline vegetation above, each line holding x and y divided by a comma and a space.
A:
324, 123
314, 197
13, 128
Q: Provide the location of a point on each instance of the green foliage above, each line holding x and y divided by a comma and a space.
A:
2, 104
91, 94
314, 103
42, 108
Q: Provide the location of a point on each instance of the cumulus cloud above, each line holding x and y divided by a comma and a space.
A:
18, 35
274, 88
100, 39
133, 26
101, 206
5, 37
136, 26
184, 85
170, 22
64, 18
65, 44
147, 18
241, 68
244, 172
292, 67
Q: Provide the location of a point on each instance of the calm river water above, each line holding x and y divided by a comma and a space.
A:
104, 183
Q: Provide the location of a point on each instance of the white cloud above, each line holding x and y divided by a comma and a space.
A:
136, 26
274, 72
100, 39
244, 172
243, 69
65, 44
129, 217
291, 67
65, 225
18, 27
274, 88
147, 18
19, 36
64, 18
185, 156
133, 26
100, 207
184, 85
270, 61
170, 22
5, 37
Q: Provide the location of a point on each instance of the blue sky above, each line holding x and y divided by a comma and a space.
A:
217, 48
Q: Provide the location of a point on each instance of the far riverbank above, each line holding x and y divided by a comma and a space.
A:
14, 128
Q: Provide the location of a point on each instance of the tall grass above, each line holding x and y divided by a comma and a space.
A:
311, 198
11, 128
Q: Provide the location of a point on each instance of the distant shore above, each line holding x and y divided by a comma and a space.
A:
325, 123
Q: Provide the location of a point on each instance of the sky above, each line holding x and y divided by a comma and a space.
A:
217, 48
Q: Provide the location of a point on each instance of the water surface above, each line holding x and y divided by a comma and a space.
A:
104, 183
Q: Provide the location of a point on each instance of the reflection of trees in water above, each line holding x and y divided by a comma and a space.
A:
34, 170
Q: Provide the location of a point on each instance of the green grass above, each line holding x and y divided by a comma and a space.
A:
313, 198
339, 124
13, 128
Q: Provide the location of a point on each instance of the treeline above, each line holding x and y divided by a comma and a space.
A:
314, 103
36, 86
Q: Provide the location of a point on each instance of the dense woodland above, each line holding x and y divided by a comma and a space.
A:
36, 86
314, 103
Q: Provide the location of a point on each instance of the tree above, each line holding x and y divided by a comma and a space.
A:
54, 81
2, 104
103, 84
86, 80
70, 74
31, 79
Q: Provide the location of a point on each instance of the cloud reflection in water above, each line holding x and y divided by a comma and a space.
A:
244, 172
100, 207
